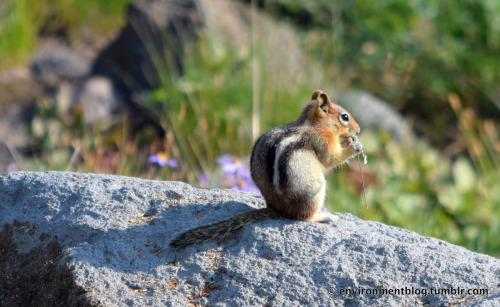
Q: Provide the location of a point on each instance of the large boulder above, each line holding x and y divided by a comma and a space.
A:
71, 239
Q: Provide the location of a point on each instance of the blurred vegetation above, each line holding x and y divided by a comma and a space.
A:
209, 110
23, 21
437, 61
412, 52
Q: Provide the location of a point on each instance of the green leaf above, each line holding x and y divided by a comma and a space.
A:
464, 175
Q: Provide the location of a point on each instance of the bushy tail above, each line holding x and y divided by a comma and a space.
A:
222, 229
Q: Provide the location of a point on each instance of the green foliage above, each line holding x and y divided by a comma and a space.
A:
205, 108
208, 111
414, 53
17, 33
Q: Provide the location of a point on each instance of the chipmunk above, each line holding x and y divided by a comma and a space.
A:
288, 164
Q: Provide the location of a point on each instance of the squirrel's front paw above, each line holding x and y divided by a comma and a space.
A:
356, 144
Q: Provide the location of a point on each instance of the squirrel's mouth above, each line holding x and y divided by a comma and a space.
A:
346, 140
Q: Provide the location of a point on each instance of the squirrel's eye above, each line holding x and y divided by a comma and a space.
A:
345, 117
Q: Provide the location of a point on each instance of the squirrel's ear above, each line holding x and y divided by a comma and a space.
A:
323, 99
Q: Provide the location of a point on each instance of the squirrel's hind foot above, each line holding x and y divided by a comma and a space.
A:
325, 218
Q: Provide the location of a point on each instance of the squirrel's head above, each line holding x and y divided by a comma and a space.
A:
324, 114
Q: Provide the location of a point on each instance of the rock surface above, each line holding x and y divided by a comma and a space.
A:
55, 63
82, 239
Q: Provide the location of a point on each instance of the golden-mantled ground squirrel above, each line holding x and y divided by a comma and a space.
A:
288, 164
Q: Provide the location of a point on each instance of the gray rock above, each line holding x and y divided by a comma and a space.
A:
17, 87
98, 100
84, 239
55, 63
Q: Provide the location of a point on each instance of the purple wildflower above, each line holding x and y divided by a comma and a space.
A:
203, 179
229, 164
162, 160
237, 173
12, 167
